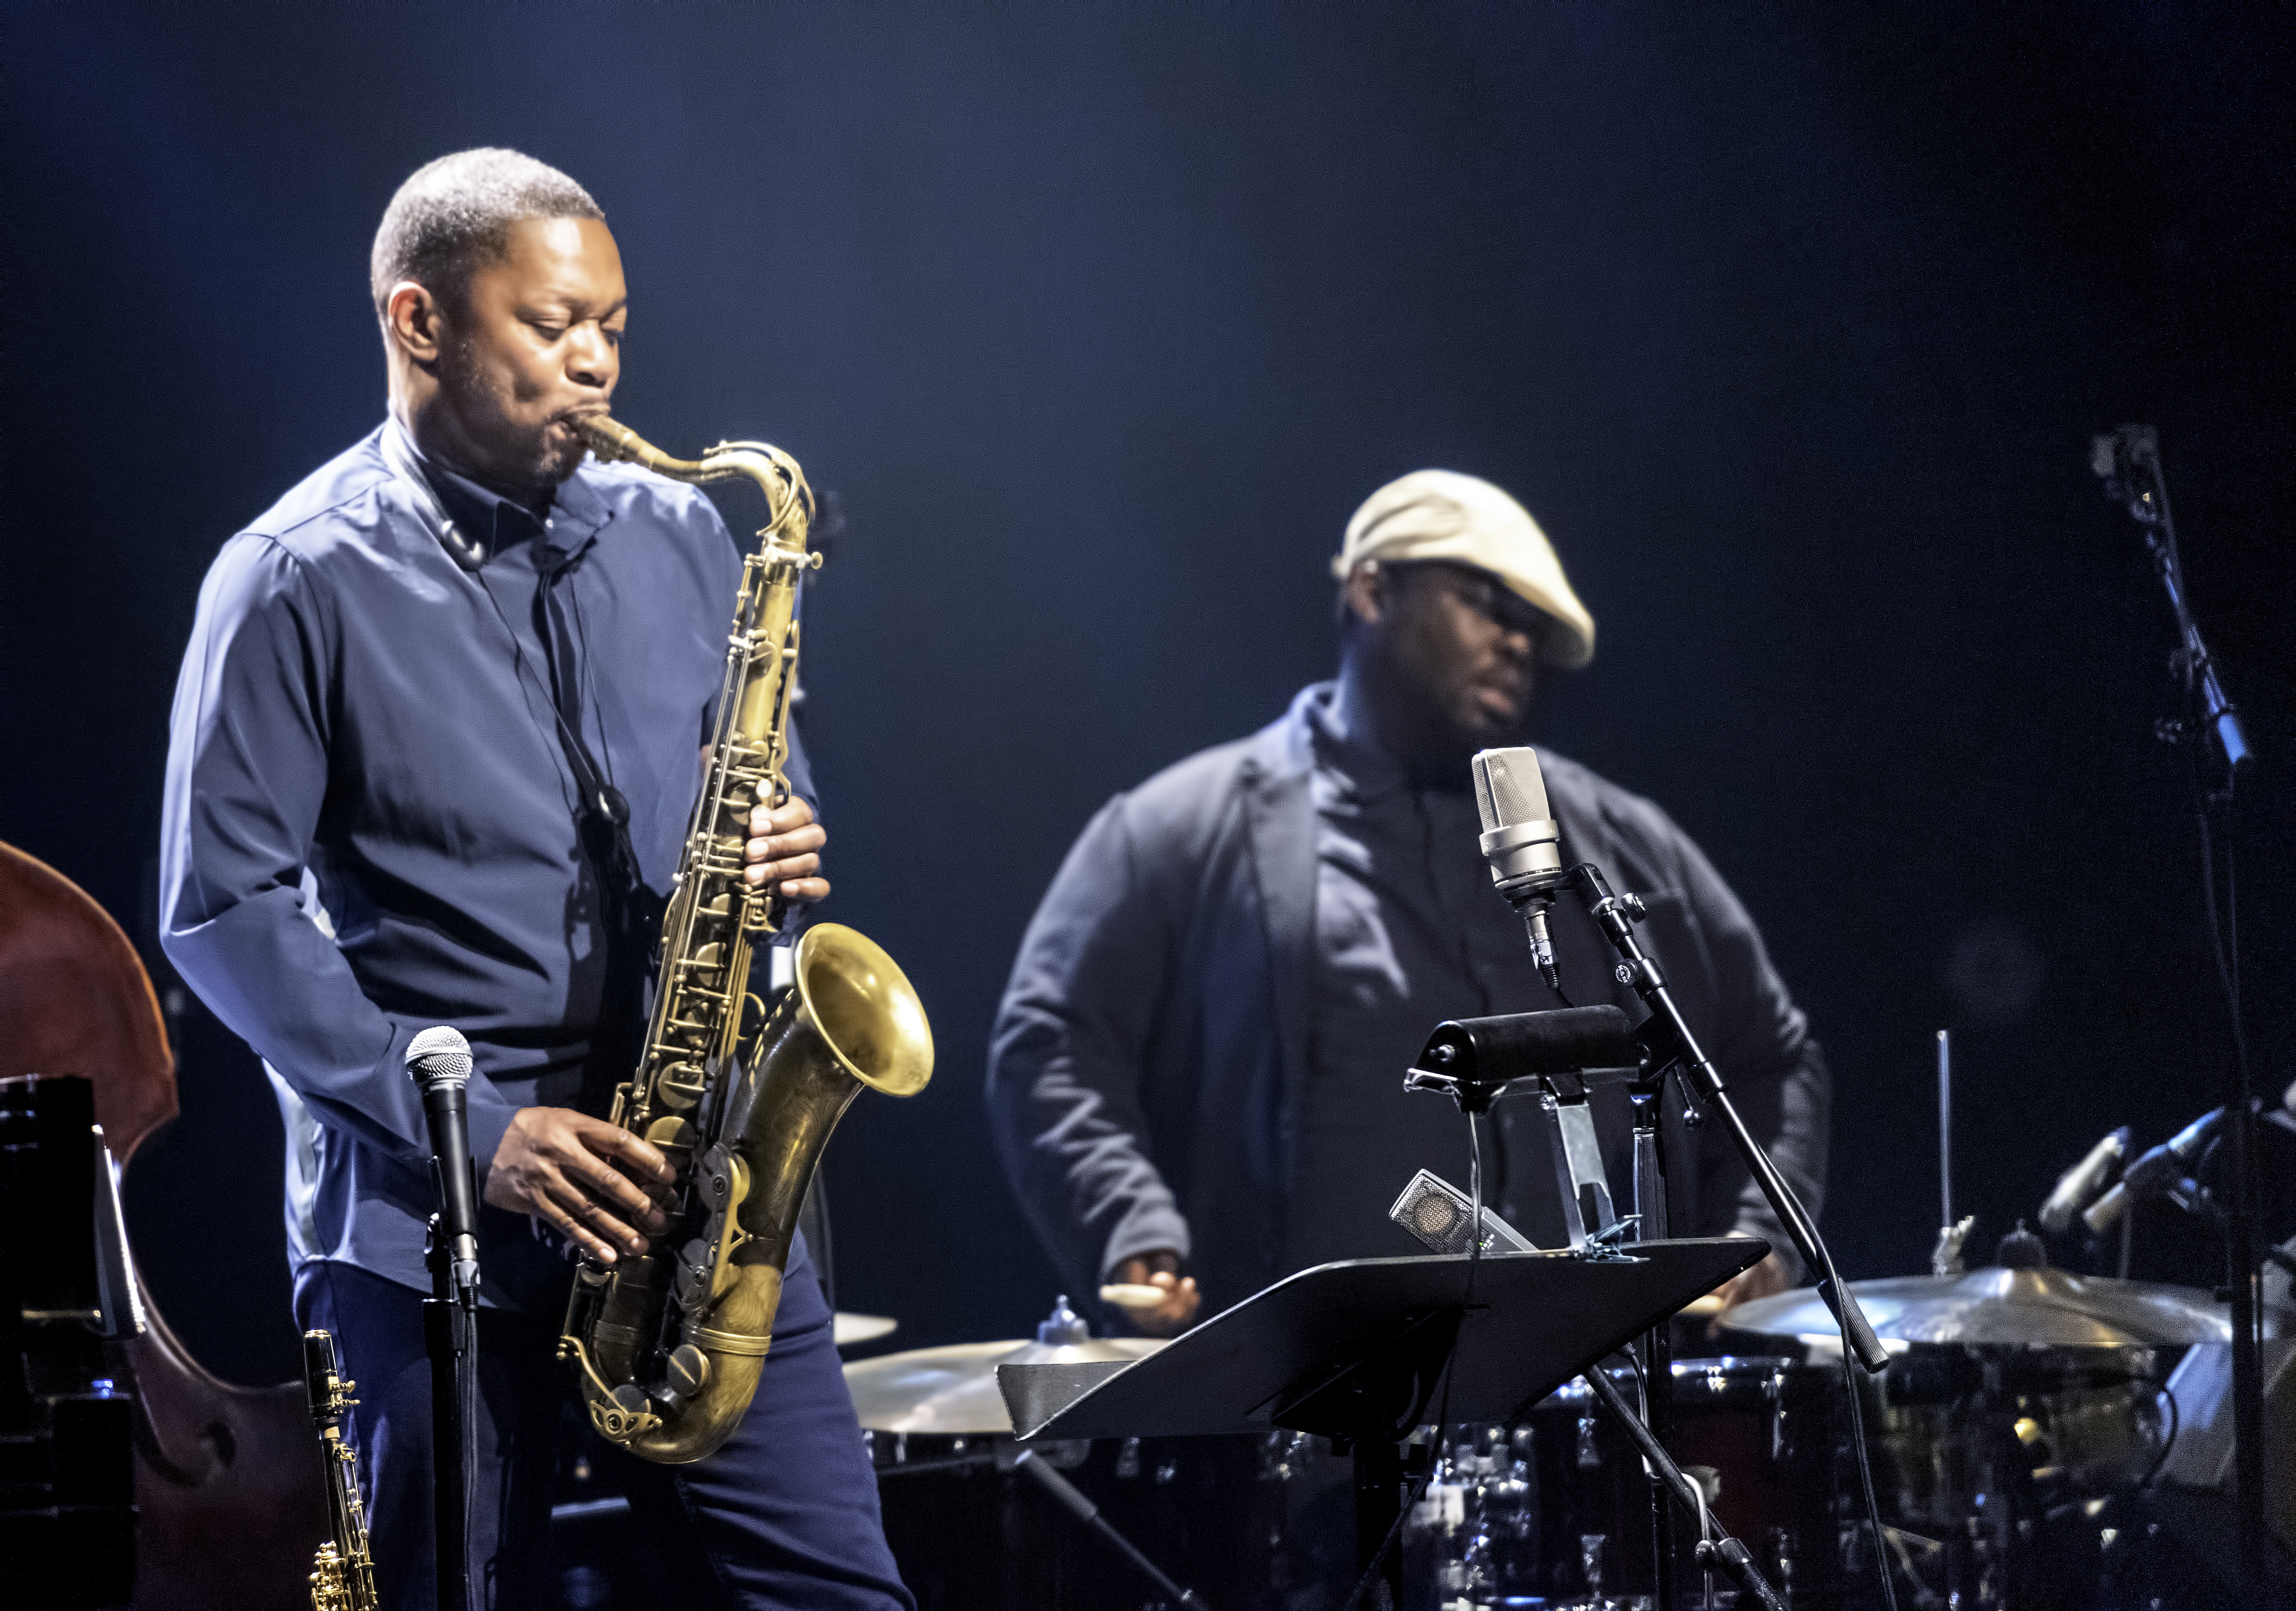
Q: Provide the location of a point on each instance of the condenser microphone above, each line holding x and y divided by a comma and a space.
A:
440, 1060
2080, 1185
1522, 842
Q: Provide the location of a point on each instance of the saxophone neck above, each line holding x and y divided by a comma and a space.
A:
776, 474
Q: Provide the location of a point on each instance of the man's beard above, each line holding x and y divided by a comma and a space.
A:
554, 465
524, 462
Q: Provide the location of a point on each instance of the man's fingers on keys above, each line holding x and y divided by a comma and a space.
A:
619, 1194
586, 1225
641, 1157
788, 817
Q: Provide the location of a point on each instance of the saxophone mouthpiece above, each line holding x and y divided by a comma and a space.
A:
609, 438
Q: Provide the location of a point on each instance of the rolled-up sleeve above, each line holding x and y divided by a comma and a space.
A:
247, 780
1068, 1056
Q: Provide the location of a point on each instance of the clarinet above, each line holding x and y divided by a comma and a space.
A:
342, 1576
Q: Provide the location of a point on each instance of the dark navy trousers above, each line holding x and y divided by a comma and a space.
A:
784, 1516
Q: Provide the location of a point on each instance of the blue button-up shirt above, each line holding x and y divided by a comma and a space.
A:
371, 823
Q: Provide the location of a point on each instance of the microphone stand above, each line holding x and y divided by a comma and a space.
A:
1658, 1342
450, 1336
1666, 1036
1667, 1044
2129, 461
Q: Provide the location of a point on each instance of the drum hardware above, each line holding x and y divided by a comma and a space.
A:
1357, 1351
1072, 1500
1561, 1056
979, 1521
1511, 802
1951, 1233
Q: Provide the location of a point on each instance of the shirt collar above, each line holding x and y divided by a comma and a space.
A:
568, 526
1346, 746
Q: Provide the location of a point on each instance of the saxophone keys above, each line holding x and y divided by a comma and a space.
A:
680, 1086
695, 1268
688, 1371
671, 1134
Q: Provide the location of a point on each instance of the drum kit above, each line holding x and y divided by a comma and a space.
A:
973, 1531
2018, 1437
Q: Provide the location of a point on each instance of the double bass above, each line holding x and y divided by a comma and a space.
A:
230, 1491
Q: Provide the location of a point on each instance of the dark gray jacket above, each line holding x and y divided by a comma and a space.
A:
1146, 1066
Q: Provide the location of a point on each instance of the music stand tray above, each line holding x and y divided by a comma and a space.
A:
1353, 1350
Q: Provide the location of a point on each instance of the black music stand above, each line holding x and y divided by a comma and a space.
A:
1355, 1352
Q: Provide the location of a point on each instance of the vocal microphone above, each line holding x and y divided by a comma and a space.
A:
439, 1060
2162, 1167
2078, 1185
1522, 842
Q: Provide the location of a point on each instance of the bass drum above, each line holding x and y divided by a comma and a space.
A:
1758, 1434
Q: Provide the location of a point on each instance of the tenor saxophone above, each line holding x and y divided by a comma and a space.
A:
667, 1345
342, 1574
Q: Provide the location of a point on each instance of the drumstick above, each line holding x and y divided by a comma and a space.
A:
1133, 1294
1701, 1308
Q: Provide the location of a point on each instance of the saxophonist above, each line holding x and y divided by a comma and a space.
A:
434, 745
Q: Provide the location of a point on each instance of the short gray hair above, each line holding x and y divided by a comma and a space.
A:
454, 216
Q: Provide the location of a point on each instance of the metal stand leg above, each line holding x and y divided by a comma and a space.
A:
1379, 1501
450, 1337
1073, 1500
1718, 1552
1658, 1343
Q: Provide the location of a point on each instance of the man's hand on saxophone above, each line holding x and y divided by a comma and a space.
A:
584, 1177
589, 1179
785, 845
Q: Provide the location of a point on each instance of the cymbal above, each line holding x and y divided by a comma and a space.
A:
2033, 1308
953, 1390
851, 1328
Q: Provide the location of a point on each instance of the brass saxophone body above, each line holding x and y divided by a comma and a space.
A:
669, 1345
342, 1575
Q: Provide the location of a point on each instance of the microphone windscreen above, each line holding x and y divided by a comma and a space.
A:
438, 1053
1509, 788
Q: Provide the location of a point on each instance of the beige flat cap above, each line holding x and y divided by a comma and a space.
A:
1440, 514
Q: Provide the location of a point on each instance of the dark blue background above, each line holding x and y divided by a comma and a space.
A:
1791, 322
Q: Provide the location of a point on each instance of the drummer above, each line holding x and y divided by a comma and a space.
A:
1195, 1080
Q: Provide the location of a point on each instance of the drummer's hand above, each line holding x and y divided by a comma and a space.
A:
1764, 1279
785, 846
582, 1177
1160, 1269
